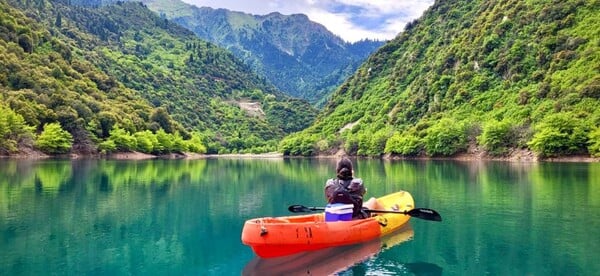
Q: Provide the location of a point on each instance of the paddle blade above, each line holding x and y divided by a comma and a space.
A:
425, 213
298, 209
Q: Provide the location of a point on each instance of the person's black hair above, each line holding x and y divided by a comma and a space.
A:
344, 169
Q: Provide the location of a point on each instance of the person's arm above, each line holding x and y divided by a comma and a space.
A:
329, 189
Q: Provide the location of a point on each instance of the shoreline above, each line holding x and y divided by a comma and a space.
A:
520, 156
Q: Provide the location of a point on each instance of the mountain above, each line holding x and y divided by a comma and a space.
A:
482, 77
94, 69
300, 57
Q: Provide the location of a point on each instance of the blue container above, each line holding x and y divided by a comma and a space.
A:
338, 212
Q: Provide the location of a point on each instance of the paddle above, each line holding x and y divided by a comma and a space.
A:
422, 213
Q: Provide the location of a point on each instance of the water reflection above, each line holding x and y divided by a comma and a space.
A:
184, 217
327, 261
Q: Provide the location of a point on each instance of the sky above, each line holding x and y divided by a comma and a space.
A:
352, 20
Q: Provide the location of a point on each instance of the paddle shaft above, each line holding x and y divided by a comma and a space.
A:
422, 213
366, 210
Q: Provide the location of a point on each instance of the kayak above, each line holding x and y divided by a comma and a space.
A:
328, 261
280, 236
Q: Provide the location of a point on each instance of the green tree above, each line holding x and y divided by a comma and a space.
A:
54, 140
299, 145
404, 144
122, 139
447, 137
497, 137
145, 141
195, 144
107, 146
166, 141
560, 134
58, 21
351, 144
26, 43
594, 142
107, 121
12, 130
180, 144
161, 116
372, 144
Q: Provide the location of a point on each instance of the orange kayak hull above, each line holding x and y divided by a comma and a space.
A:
274, 237
328, 261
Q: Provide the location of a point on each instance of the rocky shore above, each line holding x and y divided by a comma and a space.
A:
471, 155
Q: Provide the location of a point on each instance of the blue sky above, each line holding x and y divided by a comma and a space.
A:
352, 20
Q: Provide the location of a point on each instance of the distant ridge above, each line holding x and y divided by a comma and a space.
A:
300, 57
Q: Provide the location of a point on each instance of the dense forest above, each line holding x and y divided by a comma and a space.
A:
472, 76
120, 78
493, 77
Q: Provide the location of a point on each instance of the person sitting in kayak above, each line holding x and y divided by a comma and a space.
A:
346, 189
349, 190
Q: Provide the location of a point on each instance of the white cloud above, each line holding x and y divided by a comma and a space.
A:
350, 19
343, 27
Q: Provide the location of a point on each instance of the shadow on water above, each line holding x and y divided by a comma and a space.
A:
335, 260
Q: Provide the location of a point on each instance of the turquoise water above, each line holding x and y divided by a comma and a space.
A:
184, 217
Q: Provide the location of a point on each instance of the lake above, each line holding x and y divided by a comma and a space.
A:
184, 217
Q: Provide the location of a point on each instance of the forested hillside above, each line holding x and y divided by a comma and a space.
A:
300, 57
473, 76
122, 78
